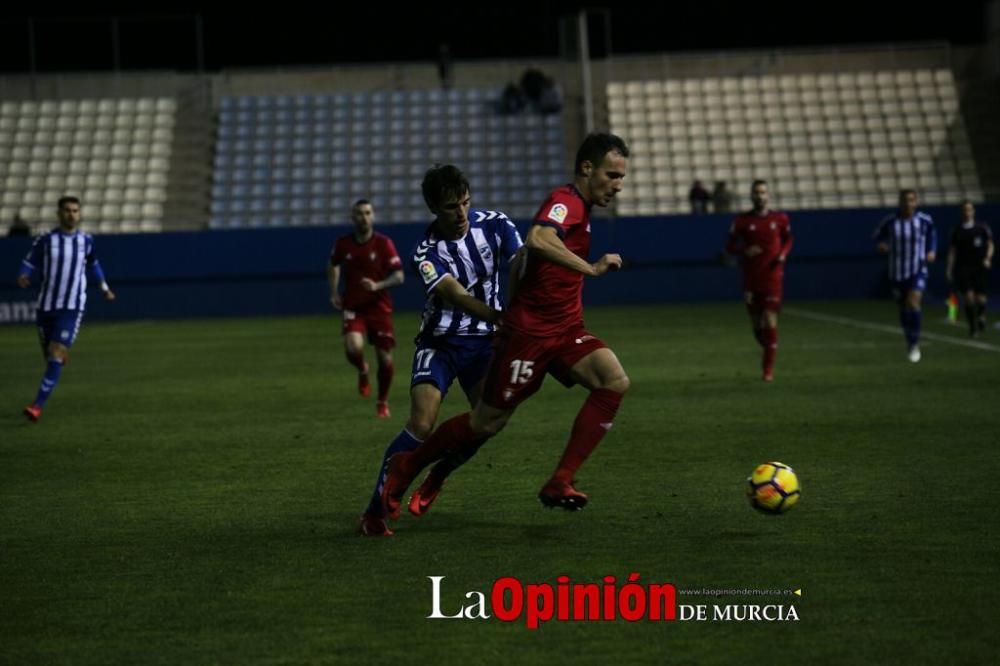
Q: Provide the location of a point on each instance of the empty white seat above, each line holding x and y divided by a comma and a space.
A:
96, 180
152, 210
652, 88
110, 212
806, 81
156, 179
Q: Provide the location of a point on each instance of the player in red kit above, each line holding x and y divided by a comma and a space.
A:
370, 266
764, 238
542, 333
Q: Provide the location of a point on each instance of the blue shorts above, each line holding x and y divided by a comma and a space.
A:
439, 361
916, 282
58, 326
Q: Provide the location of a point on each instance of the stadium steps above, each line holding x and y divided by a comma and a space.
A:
980, 104
189, 185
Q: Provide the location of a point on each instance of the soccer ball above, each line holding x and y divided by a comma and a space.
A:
773, 488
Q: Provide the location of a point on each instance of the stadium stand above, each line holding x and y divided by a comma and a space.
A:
823, 140
829, 128
302, 159
112, 153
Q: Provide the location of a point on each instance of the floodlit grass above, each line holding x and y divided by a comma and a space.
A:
191, 493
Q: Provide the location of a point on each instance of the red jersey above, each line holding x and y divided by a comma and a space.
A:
772, 232
374, 259
549, 298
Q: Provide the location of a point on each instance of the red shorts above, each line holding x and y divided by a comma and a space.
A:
377, 326
520, 362
764, 299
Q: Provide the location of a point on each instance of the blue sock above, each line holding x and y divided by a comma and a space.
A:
916, 317
404, 442
49, 381
910, 319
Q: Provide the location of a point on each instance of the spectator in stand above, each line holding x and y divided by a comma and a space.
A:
699, 198
722, 198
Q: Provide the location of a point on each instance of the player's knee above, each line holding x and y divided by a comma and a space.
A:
619, 383
491, 428
353, 344
420, 426
488, 425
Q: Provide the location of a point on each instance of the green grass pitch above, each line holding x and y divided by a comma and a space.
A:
191, 493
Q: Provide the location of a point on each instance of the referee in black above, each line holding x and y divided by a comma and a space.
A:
969, 260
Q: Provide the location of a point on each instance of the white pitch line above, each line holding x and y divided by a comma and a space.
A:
895, 330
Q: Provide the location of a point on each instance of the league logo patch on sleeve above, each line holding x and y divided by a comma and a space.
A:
427, 271
558, 213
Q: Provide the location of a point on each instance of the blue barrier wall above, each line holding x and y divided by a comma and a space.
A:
282, 271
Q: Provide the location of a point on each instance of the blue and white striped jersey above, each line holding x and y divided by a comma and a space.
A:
475, 261
63, 259
909, 241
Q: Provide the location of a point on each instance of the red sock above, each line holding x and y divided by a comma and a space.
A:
755, 313
453, 434
770, 336
384, 380
357, 359
591, 425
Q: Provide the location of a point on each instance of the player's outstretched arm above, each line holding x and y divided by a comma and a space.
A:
450, 290
517, 267
545, 242
395, 278
333, 277
786, 243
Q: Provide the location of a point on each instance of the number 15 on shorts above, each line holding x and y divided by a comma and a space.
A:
521, 371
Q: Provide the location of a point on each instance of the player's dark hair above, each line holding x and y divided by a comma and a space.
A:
904, 192
361, 202
65, 200
443, 182
754, 184
596, 146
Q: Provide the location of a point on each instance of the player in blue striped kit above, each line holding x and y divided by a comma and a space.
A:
459, 263
62, 255
909, 238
